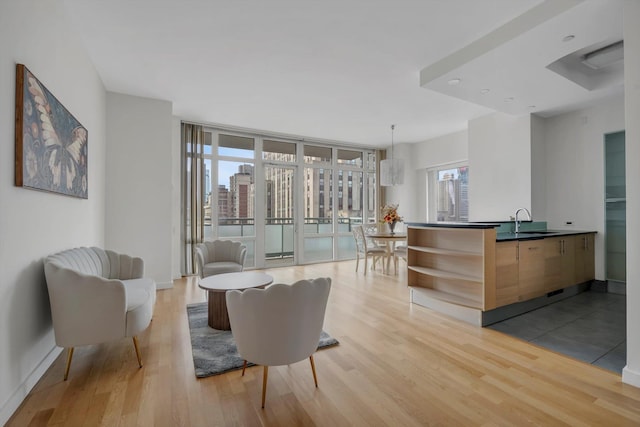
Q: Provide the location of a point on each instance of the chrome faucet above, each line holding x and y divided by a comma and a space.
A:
517, 223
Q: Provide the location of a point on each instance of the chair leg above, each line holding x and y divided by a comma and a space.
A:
69, 357
244, 366
313, 369
357, 261
135, 344
366, 260
264, 384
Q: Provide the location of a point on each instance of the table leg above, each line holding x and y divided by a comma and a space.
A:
218, 314
388, 256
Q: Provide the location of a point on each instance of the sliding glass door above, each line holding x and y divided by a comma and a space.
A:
279, 215
289, 202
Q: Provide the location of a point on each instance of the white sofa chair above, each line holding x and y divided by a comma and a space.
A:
96, 296
220, 256
280, 324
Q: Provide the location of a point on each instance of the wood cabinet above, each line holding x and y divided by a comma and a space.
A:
464, 272
584, 247
455, 265
531, 269
507, 291
559, 262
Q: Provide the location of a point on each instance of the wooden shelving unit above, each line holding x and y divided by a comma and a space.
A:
453, 266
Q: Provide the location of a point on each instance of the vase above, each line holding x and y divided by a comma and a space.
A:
392, 225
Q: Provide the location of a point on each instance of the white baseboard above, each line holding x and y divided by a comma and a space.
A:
630, 377
21, 392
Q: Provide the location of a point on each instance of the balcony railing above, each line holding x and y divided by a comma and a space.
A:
279, 231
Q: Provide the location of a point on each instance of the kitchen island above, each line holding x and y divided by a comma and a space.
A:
474, 273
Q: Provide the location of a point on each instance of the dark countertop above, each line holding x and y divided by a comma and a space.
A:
533, 235
470, 225
500, 237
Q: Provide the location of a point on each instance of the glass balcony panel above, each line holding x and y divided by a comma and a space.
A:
346, 247
317, 249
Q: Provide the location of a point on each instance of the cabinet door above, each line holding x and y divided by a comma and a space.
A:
559, 262
506, 273
585, 258
531, 269
568, 277
552, 263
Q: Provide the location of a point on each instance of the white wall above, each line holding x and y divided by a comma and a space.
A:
499, 166
35, 224
538, 169
575, 169
140, 188
631, 372
407, 204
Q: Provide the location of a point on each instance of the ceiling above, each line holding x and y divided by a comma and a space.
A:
345, 70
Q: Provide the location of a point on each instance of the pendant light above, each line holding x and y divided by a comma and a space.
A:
391, 170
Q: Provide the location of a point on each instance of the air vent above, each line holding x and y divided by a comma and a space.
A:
605, 56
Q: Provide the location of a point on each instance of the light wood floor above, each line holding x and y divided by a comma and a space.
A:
397, 364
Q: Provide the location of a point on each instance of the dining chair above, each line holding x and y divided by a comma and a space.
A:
372, 229
363, 249
399, 251
280, 324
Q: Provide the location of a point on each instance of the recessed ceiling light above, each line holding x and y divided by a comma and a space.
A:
510, 99
531, 107
568, 38
485, 91
454, 82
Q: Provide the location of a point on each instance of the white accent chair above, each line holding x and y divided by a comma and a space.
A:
280, 324
96, 296
365, 250
220, 256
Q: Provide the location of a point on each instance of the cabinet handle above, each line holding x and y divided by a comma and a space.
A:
517, 252
586, 243
562, 246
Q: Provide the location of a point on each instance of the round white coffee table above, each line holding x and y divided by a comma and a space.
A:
219, 284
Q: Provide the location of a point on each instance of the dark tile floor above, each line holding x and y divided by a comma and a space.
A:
590, 326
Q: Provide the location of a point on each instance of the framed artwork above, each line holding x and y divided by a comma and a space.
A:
51, 145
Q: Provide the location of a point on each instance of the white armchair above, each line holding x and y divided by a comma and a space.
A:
96, 296
278, 325
220, 256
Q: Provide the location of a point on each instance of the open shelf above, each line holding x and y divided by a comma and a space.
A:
447, 297
445, 274
442, 251
452, 267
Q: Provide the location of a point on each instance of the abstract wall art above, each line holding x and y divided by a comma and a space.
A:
51, 145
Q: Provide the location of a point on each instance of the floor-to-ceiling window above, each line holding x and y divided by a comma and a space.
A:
231, 191
280, 202
290, 202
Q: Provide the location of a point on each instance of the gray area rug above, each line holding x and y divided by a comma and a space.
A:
214, 351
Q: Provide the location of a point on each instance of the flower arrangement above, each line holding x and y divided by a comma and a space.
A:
390, 214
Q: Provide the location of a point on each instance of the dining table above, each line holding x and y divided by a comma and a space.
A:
389, 240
